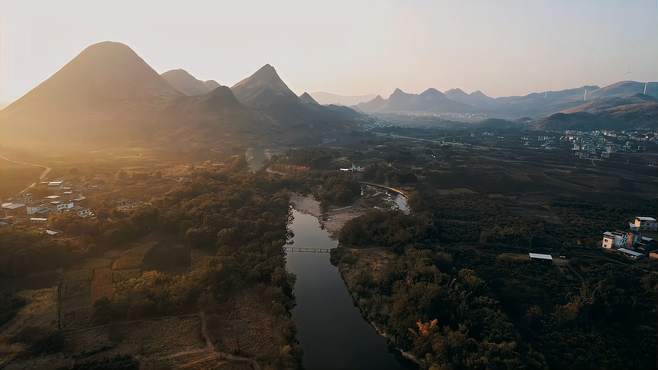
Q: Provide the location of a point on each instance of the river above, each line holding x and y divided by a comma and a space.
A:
331, 331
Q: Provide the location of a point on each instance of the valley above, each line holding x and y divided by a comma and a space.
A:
156, 220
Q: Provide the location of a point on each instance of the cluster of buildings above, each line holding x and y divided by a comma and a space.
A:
601, 144
633, 243
29, 208
542, 141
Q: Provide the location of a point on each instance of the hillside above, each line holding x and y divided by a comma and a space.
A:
184, 82
106, 91
265, 92
621, 113
108, 96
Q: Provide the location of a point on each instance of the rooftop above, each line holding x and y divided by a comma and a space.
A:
12, 206
540, 256
630, 252
641, 218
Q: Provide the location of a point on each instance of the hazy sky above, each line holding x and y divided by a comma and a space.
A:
502, 47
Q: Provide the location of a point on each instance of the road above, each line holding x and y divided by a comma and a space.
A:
44, 173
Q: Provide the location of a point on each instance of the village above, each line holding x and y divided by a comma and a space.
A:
32, 207
638, 242
602, 144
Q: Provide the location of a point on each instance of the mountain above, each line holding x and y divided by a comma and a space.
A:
326, 98
625, 89
105, 92
184, 82
428, 102
264, 89
374, 105
476, 99
307, 99
620, 113
108, 96
265, 92
213, 116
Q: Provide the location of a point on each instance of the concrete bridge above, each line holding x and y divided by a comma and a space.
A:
306, 250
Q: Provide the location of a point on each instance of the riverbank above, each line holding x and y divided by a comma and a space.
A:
352, 264
331, 220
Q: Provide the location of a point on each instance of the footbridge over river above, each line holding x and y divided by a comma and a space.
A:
389, 188
306, 250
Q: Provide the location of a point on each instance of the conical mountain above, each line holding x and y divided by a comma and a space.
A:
264, 89
265, 92
106, 90
189, 85
374, 105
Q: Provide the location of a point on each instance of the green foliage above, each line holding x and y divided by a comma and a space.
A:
391, 229
338, 189
24, 252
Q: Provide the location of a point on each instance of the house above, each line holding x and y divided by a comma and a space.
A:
57, 183
52, 197
85, 213
65, 206
645, 223
13, 209
51, 232
37, 210
630, 254
618, 239
540, 257
38, 219
653, 255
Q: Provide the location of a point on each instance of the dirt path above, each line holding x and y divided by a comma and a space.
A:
44, 173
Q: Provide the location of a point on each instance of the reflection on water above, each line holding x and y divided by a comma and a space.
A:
331, 331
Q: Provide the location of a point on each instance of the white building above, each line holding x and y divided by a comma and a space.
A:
65, 206
645, 223
617, 239
13, 209
540, 256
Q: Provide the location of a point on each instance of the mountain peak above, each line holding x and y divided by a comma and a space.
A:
398, 93
431, 92
263, 88
456, 91
307, 98
189, 85
479, 94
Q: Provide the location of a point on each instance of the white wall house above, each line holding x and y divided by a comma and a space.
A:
645, 223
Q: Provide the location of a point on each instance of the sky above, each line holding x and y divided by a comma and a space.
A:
349, 47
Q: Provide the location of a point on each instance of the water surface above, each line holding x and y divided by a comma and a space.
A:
331, 331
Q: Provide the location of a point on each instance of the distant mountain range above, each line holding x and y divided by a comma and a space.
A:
335, 99
535, 105
108, 95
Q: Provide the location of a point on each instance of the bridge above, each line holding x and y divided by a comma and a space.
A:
395, 190
306, 250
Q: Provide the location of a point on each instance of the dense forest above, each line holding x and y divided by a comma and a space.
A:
457, 292
236, 219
